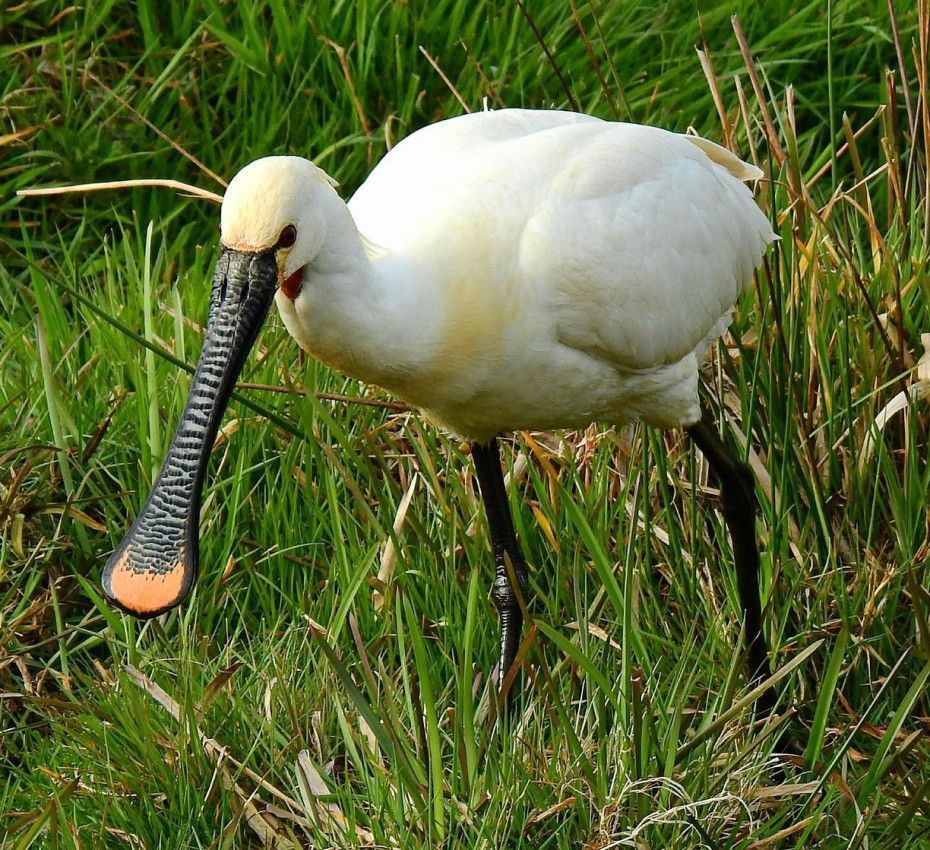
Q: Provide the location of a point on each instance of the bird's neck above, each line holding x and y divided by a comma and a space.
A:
363, 312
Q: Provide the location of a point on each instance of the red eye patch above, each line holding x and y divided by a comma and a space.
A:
293, 284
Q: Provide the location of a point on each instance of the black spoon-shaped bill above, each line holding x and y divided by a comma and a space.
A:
154, 567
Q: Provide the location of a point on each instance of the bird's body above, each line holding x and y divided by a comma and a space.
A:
501, 271
537, 269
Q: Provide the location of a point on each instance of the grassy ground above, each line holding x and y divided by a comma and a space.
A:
281, 705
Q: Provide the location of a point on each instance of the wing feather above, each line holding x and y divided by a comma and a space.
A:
637, 240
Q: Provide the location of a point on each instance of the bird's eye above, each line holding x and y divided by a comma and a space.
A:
288, 237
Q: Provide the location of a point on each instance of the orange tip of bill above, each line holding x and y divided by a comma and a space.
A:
146, 593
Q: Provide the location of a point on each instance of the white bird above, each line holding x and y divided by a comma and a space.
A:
501, 271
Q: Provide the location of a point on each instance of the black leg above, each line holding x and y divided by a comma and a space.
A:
738, 503
504, 543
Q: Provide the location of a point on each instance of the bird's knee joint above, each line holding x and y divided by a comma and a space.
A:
503, 594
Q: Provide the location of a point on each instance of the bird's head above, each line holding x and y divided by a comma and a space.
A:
272, 228
275, 206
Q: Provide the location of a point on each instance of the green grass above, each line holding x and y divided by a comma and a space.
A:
631, 732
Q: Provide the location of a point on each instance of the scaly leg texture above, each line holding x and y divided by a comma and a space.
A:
504, 543
738, 504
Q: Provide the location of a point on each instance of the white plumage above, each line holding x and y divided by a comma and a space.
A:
516, 269
502, 271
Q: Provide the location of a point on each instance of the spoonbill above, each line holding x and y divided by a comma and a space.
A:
501, 271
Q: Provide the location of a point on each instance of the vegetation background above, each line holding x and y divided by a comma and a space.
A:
300, 700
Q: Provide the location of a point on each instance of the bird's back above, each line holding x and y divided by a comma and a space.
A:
626, 243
